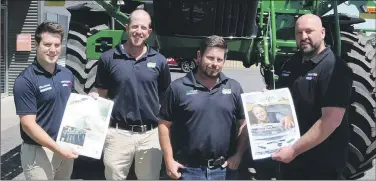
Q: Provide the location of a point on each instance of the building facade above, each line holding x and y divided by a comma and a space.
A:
22, 22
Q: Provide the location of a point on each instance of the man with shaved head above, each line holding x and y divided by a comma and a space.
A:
135, 77
320, 83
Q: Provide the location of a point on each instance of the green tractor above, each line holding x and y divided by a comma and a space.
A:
258, 32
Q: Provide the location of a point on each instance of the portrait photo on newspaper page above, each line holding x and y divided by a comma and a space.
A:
271, 121
85, 124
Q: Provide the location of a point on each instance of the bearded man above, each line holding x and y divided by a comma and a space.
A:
320, 85
199, 119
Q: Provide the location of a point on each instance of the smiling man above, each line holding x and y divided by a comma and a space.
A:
135, 77
41, 92
199, 119
320, 84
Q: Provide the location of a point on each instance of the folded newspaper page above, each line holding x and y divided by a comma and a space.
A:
271, 121
85, 124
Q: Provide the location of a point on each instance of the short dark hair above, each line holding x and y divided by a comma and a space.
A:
50, 27
213, 41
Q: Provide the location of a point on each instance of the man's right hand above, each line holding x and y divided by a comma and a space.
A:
172, 168
68, 154
94, 95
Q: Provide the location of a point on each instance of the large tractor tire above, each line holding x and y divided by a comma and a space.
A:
83, 69
359, 52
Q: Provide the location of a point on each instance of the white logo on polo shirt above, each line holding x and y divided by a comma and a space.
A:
66, 83
226, 91
285, 73
311, 76
151, 64
44, 88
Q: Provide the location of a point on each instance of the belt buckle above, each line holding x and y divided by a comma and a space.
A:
143, 128
210, 163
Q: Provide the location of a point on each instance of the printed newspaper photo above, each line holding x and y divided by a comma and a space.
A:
271, 121
85, 124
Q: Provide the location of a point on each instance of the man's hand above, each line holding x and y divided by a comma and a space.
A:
172, 168
233, 162
68, 154
285, 154
288, 122
94, 95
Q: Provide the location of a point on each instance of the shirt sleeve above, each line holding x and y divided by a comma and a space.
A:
101, 79
239, 105
24, 94
336, 86
167, 106
164, 80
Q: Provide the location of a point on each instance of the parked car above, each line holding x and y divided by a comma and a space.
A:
185, 65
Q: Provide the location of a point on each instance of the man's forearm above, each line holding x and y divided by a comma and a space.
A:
242, 140
164, 140
320, 131
41, 137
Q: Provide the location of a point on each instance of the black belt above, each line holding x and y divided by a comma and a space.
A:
210, 163
133, 128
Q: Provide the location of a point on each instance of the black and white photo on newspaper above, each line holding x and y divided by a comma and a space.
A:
271, 121
85, 124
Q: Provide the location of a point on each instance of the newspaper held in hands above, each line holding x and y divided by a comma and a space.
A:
85, 124
271, 121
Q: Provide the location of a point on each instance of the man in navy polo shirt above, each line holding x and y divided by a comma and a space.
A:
41, 92
199, 119
320, 85
135, 77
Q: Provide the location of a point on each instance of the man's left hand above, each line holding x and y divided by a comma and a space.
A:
233, 162
285, 154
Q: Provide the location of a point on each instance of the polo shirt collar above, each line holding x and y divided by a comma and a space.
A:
119, 50
190, 79
39, 69
317, 58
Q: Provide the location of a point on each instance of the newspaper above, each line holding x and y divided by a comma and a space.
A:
271, 121
85, 124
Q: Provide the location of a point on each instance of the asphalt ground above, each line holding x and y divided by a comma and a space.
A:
250, 79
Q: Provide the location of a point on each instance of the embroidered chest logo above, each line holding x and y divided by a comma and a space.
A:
311, 76
226, 91
151, 64
44, 88
191, 92
66, 83
285, 73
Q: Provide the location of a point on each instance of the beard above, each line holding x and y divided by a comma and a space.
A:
309, 48
208, 72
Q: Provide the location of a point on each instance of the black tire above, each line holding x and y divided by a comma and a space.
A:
360, 55
84, 70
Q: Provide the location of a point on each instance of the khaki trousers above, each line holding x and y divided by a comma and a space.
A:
40, 163
122, 146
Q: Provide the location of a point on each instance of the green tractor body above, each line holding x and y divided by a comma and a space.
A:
258, 32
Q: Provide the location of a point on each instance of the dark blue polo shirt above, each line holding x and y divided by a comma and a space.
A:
202, 119
136, 87
38, 92
323, 81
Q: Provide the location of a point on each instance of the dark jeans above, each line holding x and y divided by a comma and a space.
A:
204, 173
